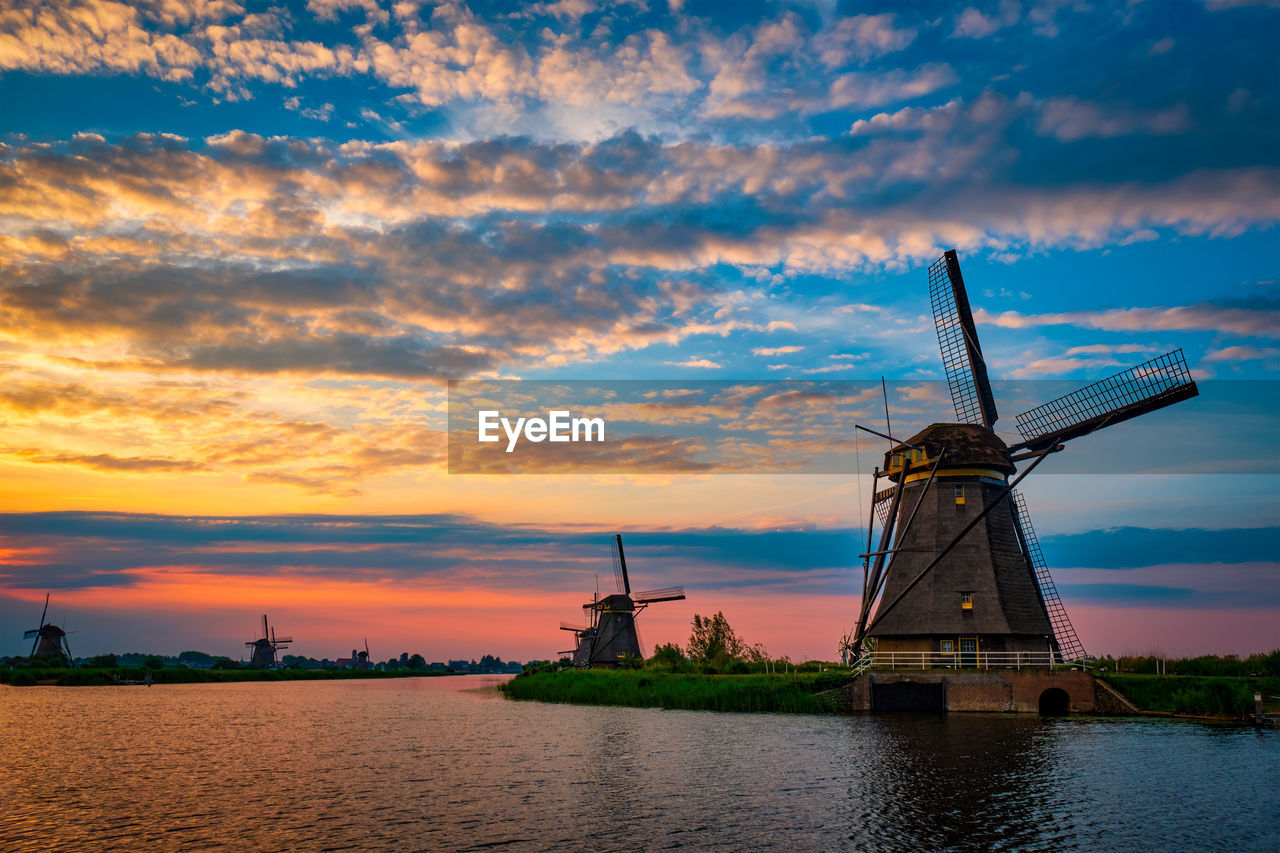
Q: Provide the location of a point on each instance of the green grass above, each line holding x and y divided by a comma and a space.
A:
1202, 696
85, 676
795, 694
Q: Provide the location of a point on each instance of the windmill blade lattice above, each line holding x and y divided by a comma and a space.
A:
1140, 389
1063, 631
958, 339
883, 500
671, 593
620, 566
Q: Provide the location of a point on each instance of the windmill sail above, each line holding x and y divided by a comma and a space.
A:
620, 566
671, 593
1144, 388
958, 340
882, 501
1069, 645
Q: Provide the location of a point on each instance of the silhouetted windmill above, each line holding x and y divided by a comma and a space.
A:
612, 635
964, 573
50, 640
264, 650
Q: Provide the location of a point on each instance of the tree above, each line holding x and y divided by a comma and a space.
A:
107, 661
667, 655
713, 640
153, 662
417, 662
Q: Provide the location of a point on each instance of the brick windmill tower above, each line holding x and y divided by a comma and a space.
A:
958, 577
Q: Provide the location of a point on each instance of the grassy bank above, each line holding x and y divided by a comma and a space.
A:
1223, 697
647, 688
87, 676
1201, 696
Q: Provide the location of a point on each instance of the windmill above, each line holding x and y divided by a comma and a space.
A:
958, 569
264, 650
50, 640
611, 634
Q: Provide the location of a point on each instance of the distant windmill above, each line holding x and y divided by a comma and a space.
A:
360, 660
612, 635
264, 650
964, 573
50, 640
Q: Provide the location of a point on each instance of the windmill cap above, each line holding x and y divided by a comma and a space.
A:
967, 445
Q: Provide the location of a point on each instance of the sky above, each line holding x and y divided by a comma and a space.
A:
245, 246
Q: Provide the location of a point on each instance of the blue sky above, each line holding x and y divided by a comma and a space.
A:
244, 244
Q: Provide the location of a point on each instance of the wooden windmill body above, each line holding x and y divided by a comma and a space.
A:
50, 640
263, 650
611, 637
958, 572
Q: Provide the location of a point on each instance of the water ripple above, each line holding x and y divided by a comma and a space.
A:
428, 765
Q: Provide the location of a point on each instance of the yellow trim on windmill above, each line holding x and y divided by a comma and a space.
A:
958, 472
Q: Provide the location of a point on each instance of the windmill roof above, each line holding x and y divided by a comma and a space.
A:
966, 445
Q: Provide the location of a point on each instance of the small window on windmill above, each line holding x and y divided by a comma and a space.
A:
959, 495
966, 601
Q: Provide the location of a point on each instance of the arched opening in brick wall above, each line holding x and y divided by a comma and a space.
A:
1054, 702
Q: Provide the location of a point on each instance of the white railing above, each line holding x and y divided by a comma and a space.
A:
958, 660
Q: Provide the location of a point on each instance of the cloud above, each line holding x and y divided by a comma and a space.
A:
1069, 119
1242, 353
328, 10
1220, 5
257, 255
110, 463
1123, 548
1260, 322
1106, 349
1055, 366
321, 113
94, 35
866, 89
861, 38
394, 547
775, 350
695, 362
972, 23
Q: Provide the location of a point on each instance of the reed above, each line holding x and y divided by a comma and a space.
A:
799, 693
1201, 696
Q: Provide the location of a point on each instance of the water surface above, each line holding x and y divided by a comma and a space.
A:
432, 764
